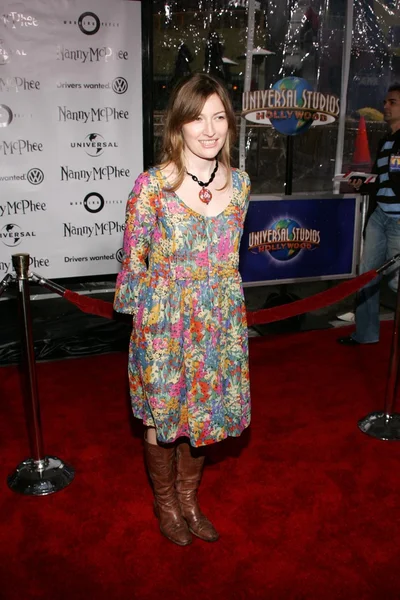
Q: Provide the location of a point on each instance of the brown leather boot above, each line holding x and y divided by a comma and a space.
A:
160, 462
188, 475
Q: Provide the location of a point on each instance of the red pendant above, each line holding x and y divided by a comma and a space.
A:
205, 195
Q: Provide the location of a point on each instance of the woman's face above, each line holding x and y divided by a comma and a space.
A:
205, 136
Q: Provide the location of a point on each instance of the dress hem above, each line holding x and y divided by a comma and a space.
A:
210, 443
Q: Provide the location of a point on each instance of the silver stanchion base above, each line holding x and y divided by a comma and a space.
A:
40, 477
378, 426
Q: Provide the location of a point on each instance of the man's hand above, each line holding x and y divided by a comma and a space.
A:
356, 182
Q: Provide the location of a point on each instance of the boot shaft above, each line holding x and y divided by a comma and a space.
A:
189, 468
161, 465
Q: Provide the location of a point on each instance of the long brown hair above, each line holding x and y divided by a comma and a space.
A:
185, 105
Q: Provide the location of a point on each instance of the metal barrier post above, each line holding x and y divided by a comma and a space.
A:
385, 425
39, 475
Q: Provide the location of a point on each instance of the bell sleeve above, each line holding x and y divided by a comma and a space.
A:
140, 222
246, 189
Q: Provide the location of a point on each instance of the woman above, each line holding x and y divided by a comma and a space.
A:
188, 356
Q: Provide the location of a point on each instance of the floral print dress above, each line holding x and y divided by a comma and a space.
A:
188, 353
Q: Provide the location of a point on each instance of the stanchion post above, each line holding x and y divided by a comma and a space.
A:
39, 475
386, 425
21, 265
391, 386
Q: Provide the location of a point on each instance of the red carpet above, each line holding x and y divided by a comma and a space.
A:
307, 505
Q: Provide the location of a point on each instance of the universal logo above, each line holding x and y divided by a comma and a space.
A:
120, 255
94, 202
12, 235
89, 23
33, 176
94, 145
6, 53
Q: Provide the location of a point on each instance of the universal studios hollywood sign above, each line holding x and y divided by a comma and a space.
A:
291, 106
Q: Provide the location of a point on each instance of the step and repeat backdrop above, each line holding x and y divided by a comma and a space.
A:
70, 132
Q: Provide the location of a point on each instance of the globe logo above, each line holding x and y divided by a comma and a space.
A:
285, 253
292, 125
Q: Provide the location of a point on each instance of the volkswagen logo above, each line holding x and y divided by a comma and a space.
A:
93, 202
119, 85
35, 176
120, 255
89, 23
6, 115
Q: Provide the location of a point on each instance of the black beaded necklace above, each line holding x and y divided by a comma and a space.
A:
205, 195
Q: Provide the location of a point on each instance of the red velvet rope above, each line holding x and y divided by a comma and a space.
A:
89, 305
268, 315
299, 307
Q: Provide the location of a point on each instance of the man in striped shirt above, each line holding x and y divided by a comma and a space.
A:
382, 234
